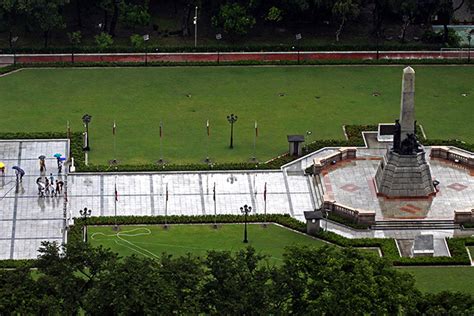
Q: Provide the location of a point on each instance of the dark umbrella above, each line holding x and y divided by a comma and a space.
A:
42, 157
18, 169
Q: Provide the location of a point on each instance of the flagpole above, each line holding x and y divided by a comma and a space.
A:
115, 145
207, 142
161, 143
265, 206
115, 205
254, 158
166, 207
215, 208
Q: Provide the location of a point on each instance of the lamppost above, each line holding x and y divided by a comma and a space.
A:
86, 119
84, 214
469, 37
146, 38
218, 38
308, 135
245, 210
195, 21
298, 38
232, 119
14, 40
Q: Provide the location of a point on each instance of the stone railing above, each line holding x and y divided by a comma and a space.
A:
342, 153
464, 216
358, 216
454, 155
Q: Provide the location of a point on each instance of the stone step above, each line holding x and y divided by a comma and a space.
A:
411, 224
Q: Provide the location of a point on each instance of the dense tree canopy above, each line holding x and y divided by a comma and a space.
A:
235, 18
326, 280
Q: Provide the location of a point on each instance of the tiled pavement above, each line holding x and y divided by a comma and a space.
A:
352, 184
189, 193
26, 219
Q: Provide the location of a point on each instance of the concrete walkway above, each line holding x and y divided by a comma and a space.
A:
27, 219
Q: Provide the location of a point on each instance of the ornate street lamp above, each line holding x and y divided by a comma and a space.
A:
86, 119
232, 119
84, 214
245, 210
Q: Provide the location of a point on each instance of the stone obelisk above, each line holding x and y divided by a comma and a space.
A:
407, 104
404, 172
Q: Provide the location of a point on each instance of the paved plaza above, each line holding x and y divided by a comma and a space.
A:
352, 184
26, 219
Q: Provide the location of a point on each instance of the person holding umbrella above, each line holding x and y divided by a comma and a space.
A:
59, 160
19, 173
2, 168
42, 163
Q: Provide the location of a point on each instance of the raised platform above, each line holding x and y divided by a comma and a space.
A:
351, 183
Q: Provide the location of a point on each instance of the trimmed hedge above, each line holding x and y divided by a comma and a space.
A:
227, 48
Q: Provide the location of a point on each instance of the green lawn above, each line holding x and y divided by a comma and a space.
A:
152, 241
437, 279
319, 99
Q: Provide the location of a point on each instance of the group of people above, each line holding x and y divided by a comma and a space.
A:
47, 186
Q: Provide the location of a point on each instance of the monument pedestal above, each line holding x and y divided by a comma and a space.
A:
401, 176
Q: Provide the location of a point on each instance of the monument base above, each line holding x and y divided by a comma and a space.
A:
402, 176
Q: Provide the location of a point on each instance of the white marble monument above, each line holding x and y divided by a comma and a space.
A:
404, 172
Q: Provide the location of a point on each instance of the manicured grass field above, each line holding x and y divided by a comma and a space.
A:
284, 100
437, 279
152, 241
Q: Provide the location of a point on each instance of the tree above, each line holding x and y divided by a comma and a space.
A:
46, 14
103, 41
407, 11
238, 284
9, 13
341, 281
274, 15
137, 41
75, 38
134, 15
67, 272
344, 10
233, 19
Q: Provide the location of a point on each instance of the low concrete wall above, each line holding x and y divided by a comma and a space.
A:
233, 56
358, 216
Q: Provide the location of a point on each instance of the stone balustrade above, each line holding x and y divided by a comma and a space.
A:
453, 154
464, 216
358, 215
342, 153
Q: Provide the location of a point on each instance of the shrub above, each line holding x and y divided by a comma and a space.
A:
103, 41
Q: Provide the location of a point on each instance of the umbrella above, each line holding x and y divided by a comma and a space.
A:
18, 169
42, 157
2, 165
57, 155
62, 158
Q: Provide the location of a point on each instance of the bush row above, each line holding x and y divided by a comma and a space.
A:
225, 48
